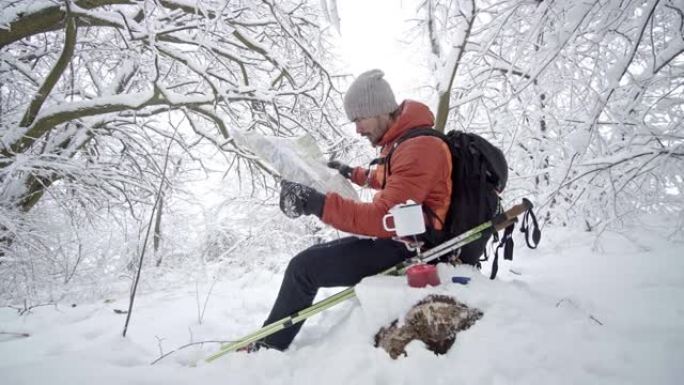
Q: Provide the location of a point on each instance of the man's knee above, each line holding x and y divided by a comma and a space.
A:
300, 267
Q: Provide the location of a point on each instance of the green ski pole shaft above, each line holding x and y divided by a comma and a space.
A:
498, 223
284, 323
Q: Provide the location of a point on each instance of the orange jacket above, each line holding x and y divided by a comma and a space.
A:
421, 171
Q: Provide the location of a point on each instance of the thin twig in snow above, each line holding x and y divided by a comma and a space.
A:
147, 234
187, 346
591, 316
15, 334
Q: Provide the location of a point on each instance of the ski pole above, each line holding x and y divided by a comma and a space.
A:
497, 223
284, 323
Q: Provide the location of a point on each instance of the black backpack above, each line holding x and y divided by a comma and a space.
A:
479, 174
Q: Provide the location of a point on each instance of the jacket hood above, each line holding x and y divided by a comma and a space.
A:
413, 114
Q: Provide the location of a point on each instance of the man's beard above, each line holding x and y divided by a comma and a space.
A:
373, 143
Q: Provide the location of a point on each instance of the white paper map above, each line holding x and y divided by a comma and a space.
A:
298, 160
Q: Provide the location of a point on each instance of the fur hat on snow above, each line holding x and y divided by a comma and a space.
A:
369, 95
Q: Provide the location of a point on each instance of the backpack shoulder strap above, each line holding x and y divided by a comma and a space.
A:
412, 133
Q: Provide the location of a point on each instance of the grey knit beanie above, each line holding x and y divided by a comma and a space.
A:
369, 95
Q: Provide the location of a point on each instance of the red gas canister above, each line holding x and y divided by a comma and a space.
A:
422, 274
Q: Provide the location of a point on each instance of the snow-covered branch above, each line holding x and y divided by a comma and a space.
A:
582, 97
96, 84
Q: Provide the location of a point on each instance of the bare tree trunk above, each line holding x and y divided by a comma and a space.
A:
157, 229
454, 62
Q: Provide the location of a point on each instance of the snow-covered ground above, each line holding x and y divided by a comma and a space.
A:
575, 311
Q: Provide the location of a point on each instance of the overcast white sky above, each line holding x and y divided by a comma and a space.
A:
372, 33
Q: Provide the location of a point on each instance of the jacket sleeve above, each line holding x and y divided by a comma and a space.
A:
415, 167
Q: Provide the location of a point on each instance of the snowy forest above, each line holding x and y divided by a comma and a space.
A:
123, 153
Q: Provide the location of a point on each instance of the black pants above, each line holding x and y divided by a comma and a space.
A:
343, 262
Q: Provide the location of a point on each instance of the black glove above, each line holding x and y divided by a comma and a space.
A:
297, 199
345, 170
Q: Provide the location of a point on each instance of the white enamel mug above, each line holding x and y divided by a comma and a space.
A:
408, 219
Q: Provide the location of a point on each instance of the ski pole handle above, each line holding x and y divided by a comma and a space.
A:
518, 209
511, 214
502, 225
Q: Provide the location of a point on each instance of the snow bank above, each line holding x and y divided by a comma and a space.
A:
568, 315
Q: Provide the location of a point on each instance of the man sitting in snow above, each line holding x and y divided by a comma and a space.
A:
420, 171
